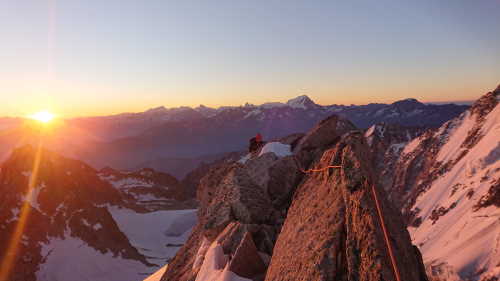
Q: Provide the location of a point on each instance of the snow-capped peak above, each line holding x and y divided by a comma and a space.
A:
303, 102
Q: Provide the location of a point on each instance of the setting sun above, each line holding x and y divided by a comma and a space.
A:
43, 116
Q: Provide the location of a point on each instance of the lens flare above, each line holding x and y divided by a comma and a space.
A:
10, 256
43, 116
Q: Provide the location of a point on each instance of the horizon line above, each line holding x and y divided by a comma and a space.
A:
456, 102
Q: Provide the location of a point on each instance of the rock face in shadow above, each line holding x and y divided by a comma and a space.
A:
47, 198
386, 142
266, 220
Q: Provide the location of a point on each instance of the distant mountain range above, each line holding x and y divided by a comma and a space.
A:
409, 112
164, 137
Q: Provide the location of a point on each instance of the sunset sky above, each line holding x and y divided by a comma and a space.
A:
89, 57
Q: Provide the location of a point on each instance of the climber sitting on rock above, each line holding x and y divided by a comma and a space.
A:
255, 143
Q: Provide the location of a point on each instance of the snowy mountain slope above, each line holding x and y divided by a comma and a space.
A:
447, 183
157, 235
70, 258
164, 220
456, 226
78, 226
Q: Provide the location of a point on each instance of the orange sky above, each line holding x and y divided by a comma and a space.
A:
81, 58
81, 104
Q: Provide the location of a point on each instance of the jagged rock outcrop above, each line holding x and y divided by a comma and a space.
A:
148, 189
191, 181
323, 135
332, 231
236, 201
386, 142
247, 206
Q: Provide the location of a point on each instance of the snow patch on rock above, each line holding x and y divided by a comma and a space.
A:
278, 148
253, 113
32, 196
245, 158
456, 136
157, 275
411, 146
128, 182
370, 131
215, 266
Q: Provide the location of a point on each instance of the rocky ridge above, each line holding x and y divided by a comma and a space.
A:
386, 143
264, 219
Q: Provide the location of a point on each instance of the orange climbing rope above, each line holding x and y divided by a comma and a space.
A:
319, 170
386, 235
314, 170
379, 213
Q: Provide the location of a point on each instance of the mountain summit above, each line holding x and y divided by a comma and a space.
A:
303, 102
408, 104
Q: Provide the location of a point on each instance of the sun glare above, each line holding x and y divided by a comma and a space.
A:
43, 116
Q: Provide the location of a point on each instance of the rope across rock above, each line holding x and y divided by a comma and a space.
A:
379, 213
